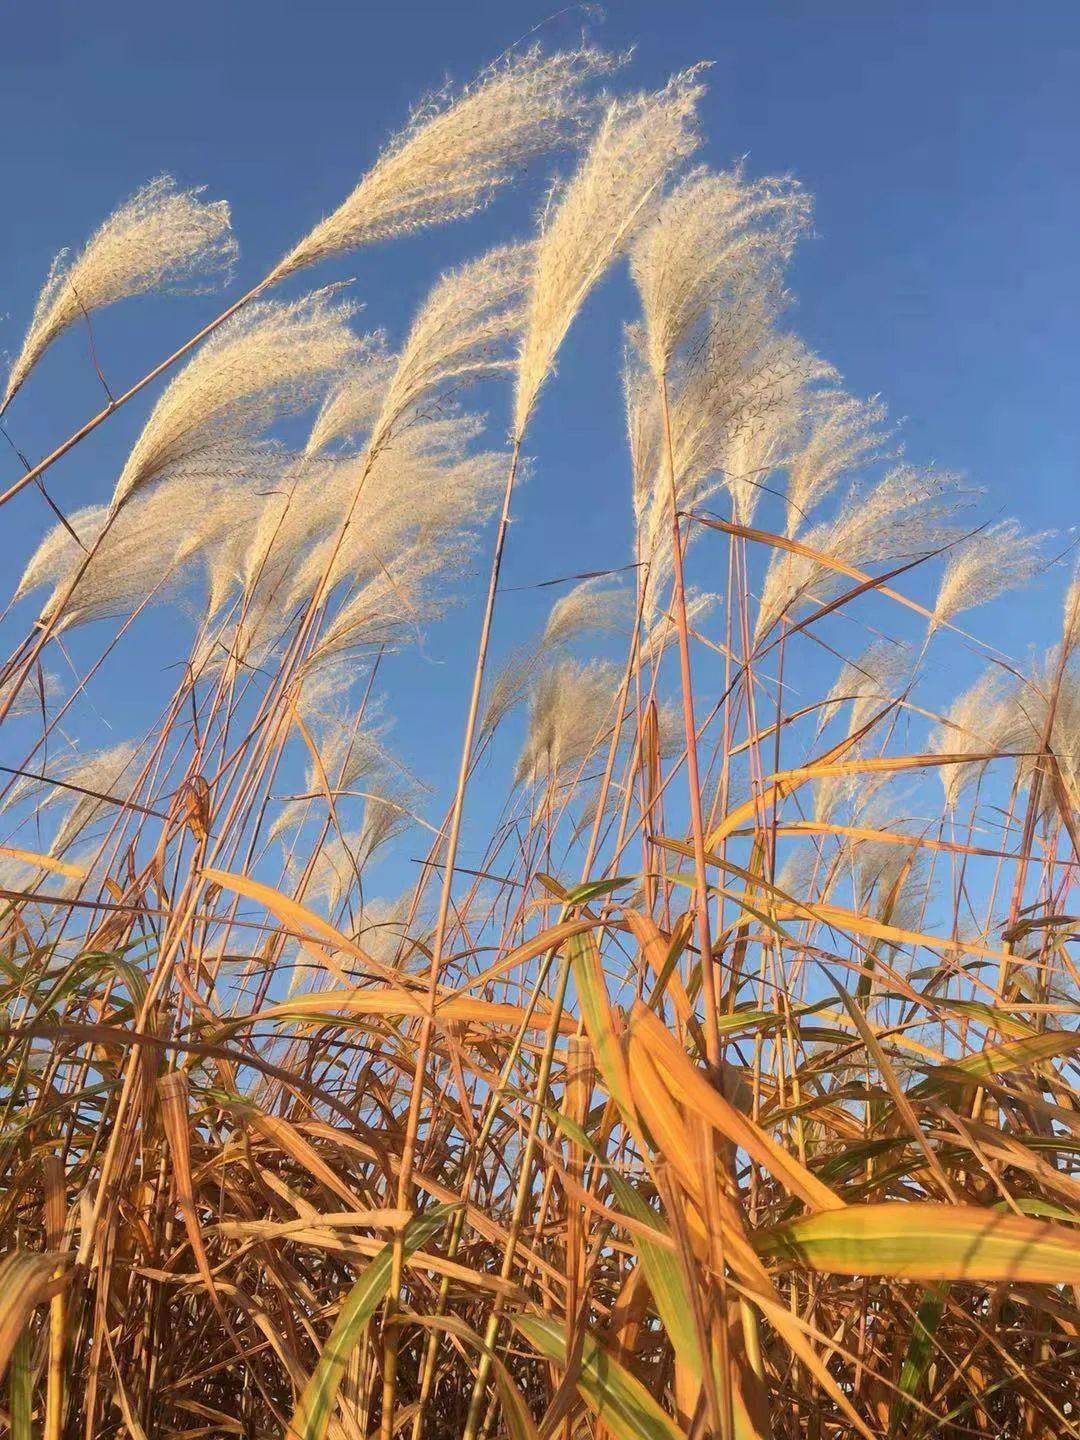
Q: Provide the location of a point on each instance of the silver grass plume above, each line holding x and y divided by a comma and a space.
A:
570, 709
33, 696
295, 517
347, 755
867, 683
761, 444
662, 631
110, 773
509, 686
458, 150
594, 604
425, 488
905, 514
149, 545
641, 404
980, 720
998, 559
1047, 698
273, 358
639, 142
842, 435
734, 402
386, 816
336, 871
353, 406
56, 550
161, 238
382, 931
1070, 630
460, 334
379, 614
710, 236
888, 874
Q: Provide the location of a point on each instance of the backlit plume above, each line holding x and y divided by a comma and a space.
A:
714, 234
458, 150
596, 215
994, 561
271, 359
161, 239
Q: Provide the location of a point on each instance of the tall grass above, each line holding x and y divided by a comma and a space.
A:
728, 1090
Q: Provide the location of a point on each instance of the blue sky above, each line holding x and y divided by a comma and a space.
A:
937, 136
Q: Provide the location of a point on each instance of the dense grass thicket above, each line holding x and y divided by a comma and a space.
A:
728, 1088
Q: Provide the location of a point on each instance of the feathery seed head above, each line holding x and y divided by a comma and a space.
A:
457, 150
711, 236
459, 335
867, 682
162, 238
110, 774
270, 359
1070, 633
352, 407
594, 604
998, 559
980, 720
640, 141
569, 710
842, 434
906, 513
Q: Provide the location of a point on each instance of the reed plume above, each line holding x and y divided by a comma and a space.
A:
981, 720
196, 514
996, 560
594, 218
570, 707
908, 512
594, 604
843, 434
162, 238
867, 682
460, 335
714, 235
272, 359
457, 151
110, 776
353, 406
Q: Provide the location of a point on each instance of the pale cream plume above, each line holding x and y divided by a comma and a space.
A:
641, 140
593, 604
979, 721
712, 235
162, 238
352, 408
457, 150
998, 559
905, 514
273, 358
842, 434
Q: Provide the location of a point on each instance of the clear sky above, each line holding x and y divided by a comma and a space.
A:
939, 138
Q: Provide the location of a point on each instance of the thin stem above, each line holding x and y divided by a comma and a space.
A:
701, 897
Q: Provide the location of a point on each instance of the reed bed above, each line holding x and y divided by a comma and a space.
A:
723, 1084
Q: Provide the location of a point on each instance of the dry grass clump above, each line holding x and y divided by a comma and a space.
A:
162, 238
713, 1075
